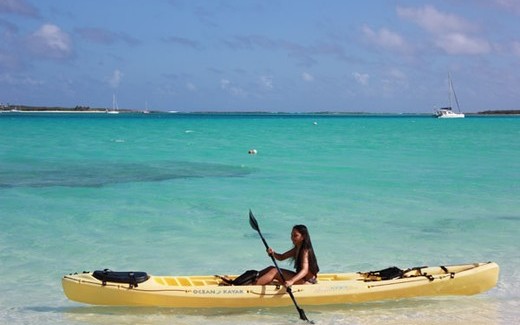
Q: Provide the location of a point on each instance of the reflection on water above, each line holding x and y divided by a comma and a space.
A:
44, 174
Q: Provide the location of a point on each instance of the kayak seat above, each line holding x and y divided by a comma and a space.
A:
132, 278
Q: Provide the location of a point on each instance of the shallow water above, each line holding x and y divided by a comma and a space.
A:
169, 194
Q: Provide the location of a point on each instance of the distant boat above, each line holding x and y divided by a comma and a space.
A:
146, 111
114, 106
447, 112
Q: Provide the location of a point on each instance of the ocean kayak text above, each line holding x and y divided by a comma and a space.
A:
217, 292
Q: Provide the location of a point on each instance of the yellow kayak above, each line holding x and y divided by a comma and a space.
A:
141, 289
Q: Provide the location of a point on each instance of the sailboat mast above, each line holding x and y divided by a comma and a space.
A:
452, 91
114, 103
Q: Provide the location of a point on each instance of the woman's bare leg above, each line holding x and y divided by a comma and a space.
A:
270, 274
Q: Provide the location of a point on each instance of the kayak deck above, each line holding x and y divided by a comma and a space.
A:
332, 288
211, 280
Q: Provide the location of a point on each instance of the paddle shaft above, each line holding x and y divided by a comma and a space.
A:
272, 258
288, 289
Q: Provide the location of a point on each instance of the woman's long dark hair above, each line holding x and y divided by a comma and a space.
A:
306, 245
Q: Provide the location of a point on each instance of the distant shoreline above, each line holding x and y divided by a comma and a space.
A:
88, 110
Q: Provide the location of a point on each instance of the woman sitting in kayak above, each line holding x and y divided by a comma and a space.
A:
305, 261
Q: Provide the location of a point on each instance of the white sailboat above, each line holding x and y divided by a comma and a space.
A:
114, 106
146, 111
447, 112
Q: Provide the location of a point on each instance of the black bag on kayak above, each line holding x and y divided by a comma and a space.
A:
132, 278
385, 274
246, 278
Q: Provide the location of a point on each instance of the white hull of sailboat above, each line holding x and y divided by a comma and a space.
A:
449, 114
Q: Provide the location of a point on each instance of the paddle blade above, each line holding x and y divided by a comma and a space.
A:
252, 221
303, 316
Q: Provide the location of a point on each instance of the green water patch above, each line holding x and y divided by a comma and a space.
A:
98, 174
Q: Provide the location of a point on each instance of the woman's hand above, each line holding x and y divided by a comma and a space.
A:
289, 283
270, 252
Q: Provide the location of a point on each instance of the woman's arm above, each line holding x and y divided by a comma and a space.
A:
281, 257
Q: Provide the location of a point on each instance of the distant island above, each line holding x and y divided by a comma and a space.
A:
50, 109
87, 109
501, 112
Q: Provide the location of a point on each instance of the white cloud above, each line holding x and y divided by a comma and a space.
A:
226, 85
397, 74
361, 78
513, 5
103, 36
434, 21
515, 46
191, 87
457, 43
115, 79
307, 77
267, 82
18, 80
451, 33
386, 39
51, 42
394, 81
20, 7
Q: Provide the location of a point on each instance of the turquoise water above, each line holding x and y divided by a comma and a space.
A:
169, 194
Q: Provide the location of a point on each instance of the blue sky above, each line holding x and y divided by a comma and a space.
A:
285, 56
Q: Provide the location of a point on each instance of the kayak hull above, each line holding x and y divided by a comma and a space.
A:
340, 288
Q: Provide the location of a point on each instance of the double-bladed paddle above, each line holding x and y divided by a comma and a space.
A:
254, 225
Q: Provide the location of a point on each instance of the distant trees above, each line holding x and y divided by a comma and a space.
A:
506, 112
81, 108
